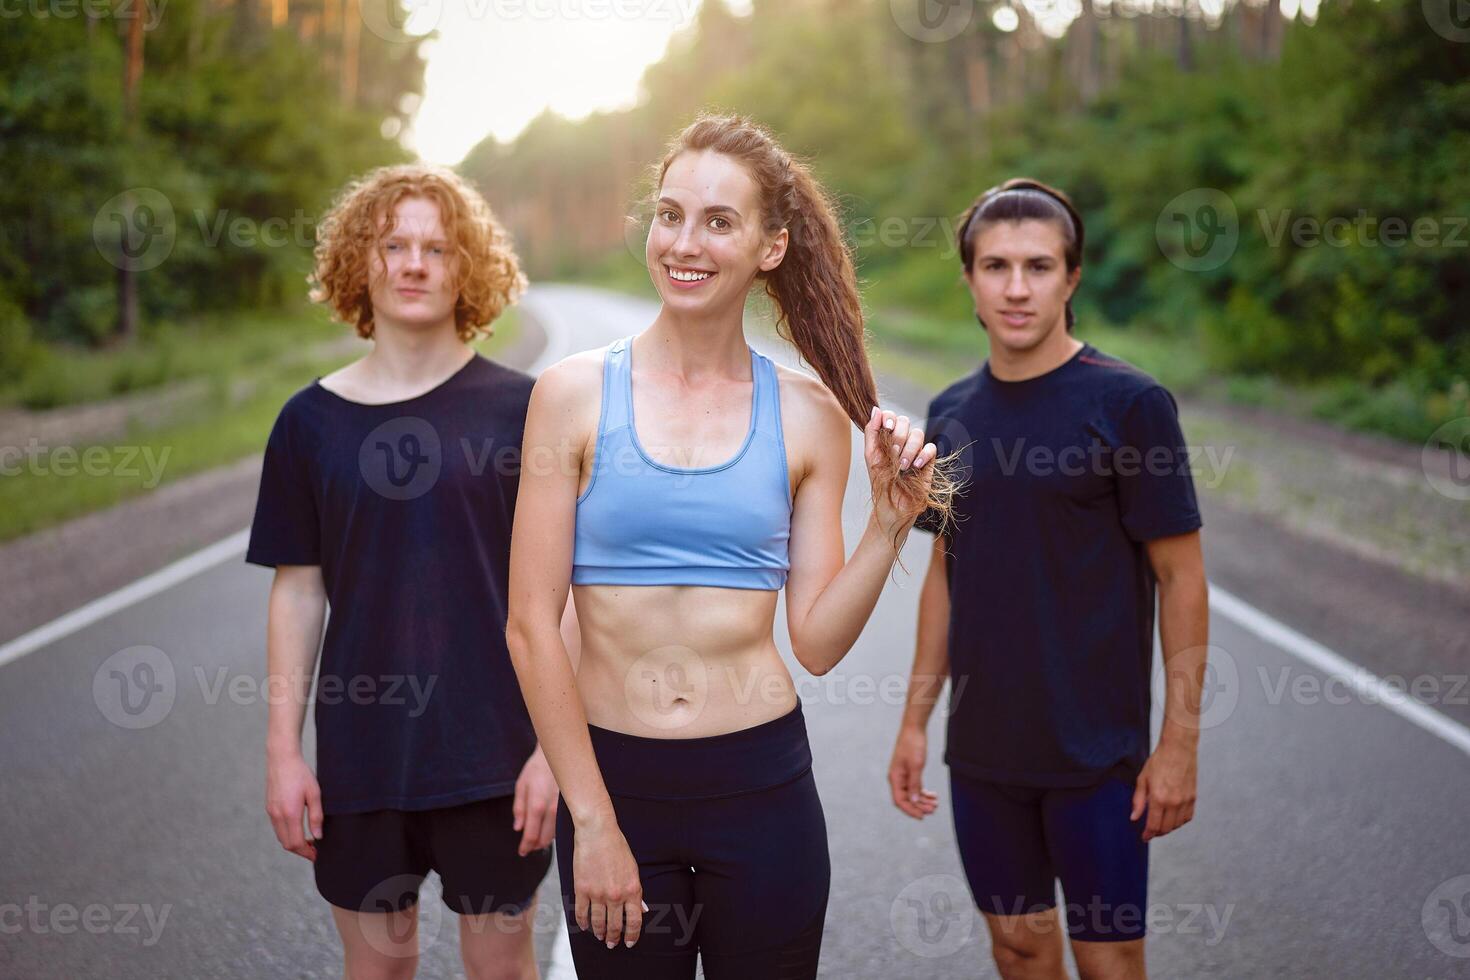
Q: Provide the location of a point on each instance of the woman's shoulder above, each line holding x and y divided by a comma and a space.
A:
808, 404
573, 384
574, 370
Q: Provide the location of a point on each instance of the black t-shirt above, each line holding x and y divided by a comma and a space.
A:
1051, 591
407, 507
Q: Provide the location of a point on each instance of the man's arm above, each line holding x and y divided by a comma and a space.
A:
1167, 783
297, 610
926, 682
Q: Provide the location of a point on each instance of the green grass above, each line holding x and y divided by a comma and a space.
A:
221, 432
213, 347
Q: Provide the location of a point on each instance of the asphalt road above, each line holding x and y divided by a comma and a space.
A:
1330, 838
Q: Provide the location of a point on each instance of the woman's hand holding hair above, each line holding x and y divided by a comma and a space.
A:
899, 470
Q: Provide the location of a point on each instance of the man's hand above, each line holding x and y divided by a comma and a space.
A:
1166, 786
535, 804
290, 789
906, 774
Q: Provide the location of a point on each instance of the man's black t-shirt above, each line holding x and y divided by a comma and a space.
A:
1051, 591
407, 507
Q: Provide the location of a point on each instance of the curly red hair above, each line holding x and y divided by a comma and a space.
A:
487, 274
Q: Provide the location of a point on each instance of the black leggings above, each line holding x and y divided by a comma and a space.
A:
731, 846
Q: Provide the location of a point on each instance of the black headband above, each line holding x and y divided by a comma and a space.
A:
1071, 221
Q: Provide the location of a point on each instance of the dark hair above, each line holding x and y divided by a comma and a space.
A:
1020, 199
815, 287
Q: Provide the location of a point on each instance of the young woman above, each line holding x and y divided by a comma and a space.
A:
676, 480
1039, 599
371, 503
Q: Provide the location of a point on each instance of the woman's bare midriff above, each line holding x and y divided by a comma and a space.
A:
679, 661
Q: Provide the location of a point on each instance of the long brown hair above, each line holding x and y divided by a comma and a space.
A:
815, 290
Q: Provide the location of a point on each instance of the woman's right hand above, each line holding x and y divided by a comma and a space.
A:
609, 895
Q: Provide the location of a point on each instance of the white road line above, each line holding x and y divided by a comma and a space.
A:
1369, 686
560, 967
145, 587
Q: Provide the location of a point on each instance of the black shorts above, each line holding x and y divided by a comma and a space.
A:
375, 861
1016, 841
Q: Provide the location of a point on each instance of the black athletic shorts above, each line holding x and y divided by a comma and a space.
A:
375, 861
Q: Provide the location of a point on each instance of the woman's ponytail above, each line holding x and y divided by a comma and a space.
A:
818, 308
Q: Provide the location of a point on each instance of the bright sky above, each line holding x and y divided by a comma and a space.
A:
497, 64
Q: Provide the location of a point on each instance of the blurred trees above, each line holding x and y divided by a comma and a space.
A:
249, 113
1348, 125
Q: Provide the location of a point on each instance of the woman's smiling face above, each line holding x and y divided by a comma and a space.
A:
707, 243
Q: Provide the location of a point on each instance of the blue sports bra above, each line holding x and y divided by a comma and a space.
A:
640, 522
